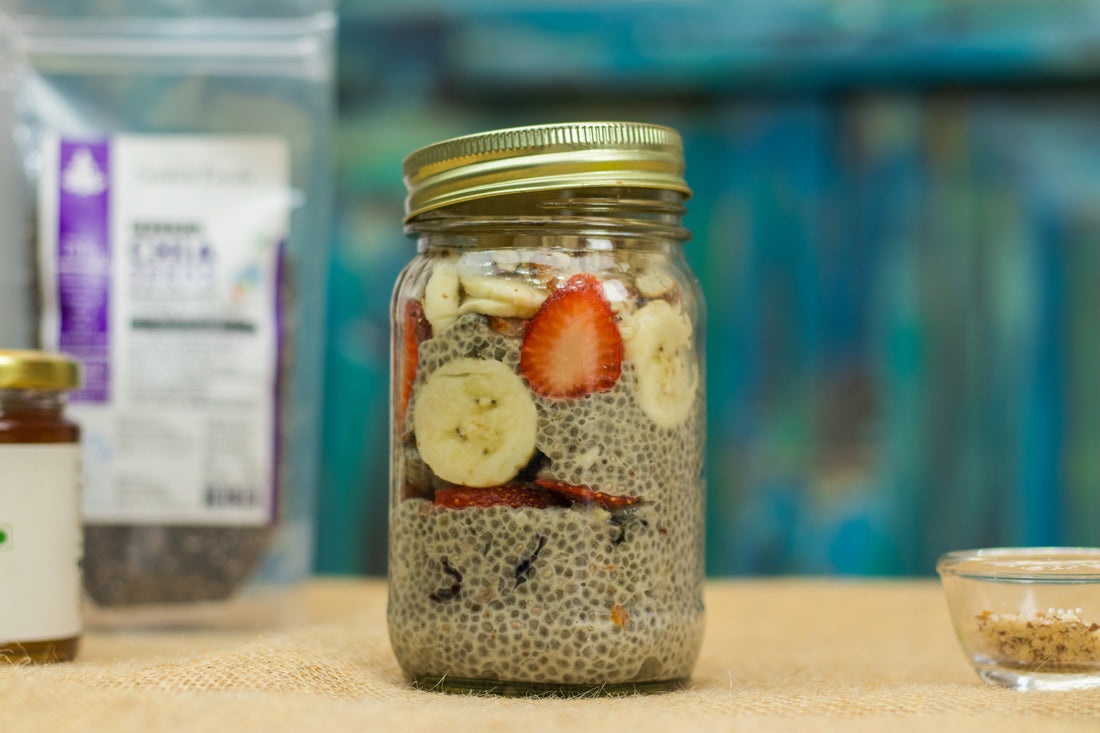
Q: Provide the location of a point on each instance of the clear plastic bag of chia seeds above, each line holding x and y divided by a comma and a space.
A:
15, 325
174, 159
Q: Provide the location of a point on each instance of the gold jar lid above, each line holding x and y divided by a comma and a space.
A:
541, 157
20, 369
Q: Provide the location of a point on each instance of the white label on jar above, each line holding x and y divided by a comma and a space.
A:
161, 261
40, 541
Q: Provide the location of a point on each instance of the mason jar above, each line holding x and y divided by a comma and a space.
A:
547, 416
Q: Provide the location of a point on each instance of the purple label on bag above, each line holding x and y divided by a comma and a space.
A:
84, 262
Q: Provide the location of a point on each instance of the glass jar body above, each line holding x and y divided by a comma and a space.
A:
547, 442
35, 417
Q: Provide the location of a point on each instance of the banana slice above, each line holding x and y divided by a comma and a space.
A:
654, 283
501, 296
441, 297
490, 307
475, 422
658, 342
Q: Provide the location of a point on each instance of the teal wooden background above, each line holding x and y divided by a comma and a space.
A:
897, 229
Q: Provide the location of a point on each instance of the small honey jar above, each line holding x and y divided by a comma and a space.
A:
40, 525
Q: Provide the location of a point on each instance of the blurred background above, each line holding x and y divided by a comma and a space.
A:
897, 230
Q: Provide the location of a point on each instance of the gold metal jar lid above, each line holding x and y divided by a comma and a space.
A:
21, 369
541, 157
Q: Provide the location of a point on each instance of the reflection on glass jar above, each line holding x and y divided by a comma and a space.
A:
546, 514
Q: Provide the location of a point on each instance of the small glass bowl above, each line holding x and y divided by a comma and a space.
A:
1028, 618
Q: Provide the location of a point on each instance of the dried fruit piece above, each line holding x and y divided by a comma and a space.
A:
511, 495
586, 495
414, 330
450, 592
526, 568
475, 422
619, 615
573, 347
512, 328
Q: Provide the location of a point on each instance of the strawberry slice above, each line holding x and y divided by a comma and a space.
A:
511, 495
572, 347
414, 329
585, 495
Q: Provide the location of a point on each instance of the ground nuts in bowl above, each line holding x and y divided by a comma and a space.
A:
1027, 618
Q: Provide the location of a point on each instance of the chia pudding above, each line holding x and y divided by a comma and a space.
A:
546, 523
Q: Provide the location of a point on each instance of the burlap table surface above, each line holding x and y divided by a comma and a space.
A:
779, 655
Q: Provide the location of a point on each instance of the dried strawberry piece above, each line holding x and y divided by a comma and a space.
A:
586, 495
415, 329
511, 495
572, 347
